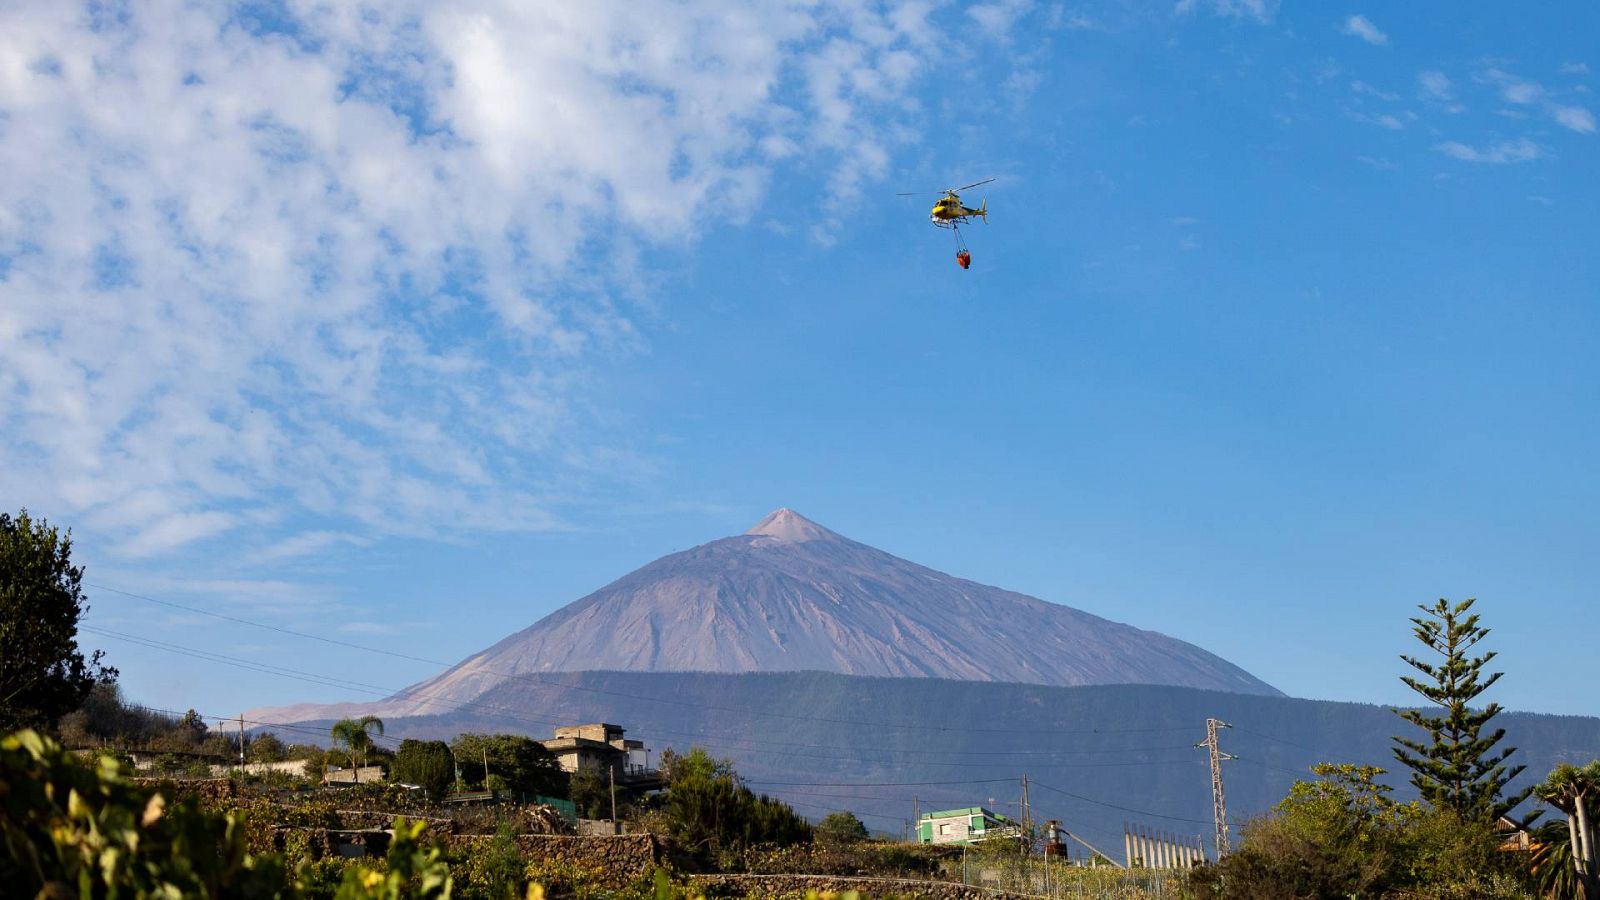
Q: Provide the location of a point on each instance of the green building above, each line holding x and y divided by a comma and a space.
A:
964, 826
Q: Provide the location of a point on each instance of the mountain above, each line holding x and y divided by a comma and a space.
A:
1095, 756
789, 595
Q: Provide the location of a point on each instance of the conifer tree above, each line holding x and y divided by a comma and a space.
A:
1458, 767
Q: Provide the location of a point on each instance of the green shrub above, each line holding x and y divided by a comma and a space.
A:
71, 828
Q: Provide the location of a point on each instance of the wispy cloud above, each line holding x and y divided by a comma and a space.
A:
1259, 10
357, 266
1361, 87
1523, 92
1512, 88
995, 18
1503, 152
304, 543
1434, 85
1575, 68
1576, 118
1360, 26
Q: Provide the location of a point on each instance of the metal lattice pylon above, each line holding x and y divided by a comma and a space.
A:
1219, 804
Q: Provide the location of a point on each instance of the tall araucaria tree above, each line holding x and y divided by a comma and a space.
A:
1458, 767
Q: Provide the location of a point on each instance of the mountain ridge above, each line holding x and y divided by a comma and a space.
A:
789, 595
825, 741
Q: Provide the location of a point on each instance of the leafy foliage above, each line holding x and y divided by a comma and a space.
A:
1459, 767
355, 736
427, 764
266, 748
74, 829
707, 808
590, 793
43, 675
841, 827
1342, 836
71, 828
523, 764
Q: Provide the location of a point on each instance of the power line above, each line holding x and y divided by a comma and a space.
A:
1035, 782
1277, 739
880, 783
1267, 765
506, 713
1127, 809
536, 677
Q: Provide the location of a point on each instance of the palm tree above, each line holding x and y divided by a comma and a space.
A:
1576, 791
356, 737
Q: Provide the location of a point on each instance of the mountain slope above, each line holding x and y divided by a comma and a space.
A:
790, 595
1095, 756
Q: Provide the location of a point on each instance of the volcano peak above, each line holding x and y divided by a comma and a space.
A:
785, 524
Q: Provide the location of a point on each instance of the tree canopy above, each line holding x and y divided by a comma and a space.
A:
707, 807
355, 735
43, 674
523, 763
427, 764
842, 827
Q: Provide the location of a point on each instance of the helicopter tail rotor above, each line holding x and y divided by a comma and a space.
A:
983, 210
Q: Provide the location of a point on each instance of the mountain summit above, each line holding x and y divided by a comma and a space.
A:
790, 595
787, 525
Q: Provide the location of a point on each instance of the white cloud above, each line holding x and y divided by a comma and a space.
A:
175, 530
1360, 26
304, 543
1575, 68
1576, 118
996, 17
1520, 150
1361, 87
1259, 10
1522, 92
355, 264
1377, 162
1512, 88
1434, 86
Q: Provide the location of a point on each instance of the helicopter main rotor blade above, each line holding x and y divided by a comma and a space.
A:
972, 185
917, 193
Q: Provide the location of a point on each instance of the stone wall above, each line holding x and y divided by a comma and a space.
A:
209, 791
877, 888
625, 857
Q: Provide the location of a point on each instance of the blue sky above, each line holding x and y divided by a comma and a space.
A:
409, 325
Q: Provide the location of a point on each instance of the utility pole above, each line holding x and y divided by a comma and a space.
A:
1219, 805
916, 819
613, 771
241, 743
1027, 821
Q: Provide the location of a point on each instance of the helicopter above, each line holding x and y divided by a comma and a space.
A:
949, 213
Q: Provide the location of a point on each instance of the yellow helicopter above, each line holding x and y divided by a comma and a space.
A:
949, 213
